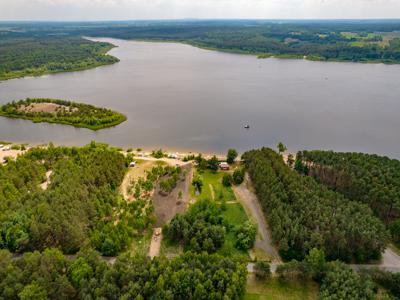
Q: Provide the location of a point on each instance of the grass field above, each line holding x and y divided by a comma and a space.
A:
275, 289
234, 213
140, 245
213, 188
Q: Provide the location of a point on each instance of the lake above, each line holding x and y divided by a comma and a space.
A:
178, 97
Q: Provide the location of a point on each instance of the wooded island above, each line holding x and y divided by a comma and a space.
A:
62, 112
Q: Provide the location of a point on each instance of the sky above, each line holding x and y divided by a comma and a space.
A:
75, 10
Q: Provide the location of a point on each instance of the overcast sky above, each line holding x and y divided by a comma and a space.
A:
177, 9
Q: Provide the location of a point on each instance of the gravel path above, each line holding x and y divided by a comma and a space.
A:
246, 196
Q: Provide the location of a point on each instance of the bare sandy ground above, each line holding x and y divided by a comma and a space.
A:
132, 175
45, 107
167, 206
9, 153
390, 258
45, 184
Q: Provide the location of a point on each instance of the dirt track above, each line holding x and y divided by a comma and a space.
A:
246, 196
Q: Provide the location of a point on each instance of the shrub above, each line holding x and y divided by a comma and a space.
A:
158, 153
246, 235
227, 180
198, 182
262, 270
238, 176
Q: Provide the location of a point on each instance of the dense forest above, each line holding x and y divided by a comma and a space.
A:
81, 205
370, 179
37, 55
62, 112
360, 41
51, 275
304, 214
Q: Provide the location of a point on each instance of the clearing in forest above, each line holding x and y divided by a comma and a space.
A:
167, 205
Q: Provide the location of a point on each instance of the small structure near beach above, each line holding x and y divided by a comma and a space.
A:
224, 166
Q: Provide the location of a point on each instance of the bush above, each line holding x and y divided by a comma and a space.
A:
262, 270
198, 183
246, 235
227, 180
158, 154
238, 176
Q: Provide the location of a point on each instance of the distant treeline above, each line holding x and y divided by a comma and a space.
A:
69, 113
304, 214
361, 41
35, 55
370, 179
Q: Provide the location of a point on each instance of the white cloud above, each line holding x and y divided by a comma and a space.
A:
169, 9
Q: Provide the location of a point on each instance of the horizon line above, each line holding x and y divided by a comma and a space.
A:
198, 19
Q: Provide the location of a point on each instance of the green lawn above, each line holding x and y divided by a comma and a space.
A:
140, 244
275, 289
213, 188
234, 214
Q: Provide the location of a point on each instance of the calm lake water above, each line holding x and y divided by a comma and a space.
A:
180, 97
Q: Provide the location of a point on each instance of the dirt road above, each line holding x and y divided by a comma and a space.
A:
155, 245
246, 196
390, 258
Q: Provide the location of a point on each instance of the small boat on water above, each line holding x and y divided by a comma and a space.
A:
247, 126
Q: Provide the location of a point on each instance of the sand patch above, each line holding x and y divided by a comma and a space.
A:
46, 107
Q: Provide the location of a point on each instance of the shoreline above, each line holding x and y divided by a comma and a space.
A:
145, 152
24, 74
258, 55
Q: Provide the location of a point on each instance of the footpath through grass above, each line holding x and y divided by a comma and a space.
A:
213, 188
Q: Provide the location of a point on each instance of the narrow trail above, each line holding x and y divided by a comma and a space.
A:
46, 183
390, 258
155, 245
212, 191
246, 196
